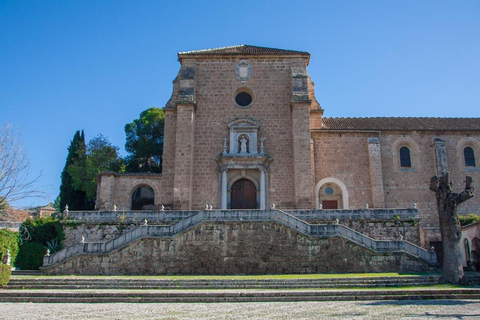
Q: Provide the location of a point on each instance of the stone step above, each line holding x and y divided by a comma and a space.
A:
92, 283
186, 287
238, 296
26, 272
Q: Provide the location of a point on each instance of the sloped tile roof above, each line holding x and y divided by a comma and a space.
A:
242, 49
393, 123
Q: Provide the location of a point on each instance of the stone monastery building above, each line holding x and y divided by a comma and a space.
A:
243, 130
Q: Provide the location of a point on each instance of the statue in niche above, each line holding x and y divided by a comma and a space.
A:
243, 145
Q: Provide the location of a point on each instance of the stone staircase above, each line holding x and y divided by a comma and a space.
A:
286, 219
189, 284
136, 289
243, 296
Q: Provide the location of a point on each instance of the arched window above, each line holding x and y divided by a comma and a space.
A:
469, 156
405, 160
143, 198
467, 252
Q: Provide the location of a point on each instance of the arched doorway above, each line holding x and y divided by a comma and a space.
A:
244, 195
331, 194
143, 198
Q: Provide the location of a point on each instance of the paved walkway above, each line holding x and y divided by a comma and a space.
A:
436, 309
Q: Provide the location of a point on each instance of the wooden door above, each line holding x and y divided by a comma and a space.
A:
329, 204
244, 195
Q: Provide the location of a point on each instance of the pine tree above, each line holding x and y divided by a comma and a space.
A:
76, 199
145, 141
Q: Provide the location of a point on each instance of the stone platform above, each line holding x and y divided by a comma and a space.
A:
236, 242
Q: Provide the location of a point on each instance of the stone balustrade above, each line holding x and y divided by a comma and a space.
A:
131, 216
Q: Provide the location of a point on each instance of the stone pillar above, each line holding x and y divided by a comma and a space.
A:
184, 143
224, 190
376, 175
263, 190
302, 161
440, 155
168, 157
105, 191
302, 157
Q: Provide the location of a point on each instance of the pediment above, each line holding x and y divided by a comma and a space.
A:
244, 123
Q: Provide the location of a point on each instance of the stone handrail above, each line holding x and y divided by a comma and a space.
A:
356, 214
286, 219
134, 216
128, 216
330, 230
144, 231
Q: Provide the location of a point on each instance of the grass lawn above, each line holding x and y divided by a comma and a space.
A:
238, 277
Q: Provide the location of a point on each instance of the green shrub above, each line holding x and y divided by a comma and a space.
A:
8, 241
30, 256
466, 220
5, 272
42, 230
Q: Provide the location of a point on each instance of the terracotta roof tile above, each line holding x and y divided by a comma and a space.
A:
242, 49
393, 123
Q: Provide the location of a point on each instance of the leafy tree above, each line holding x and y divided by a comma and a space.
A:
15, 180
74, 197
145, 141
101, 156
57, 204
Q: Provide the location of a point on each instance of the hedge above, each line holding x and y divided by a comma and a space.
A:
38, 235
466, 220
30, 256
42, 230
5, 272
8, 241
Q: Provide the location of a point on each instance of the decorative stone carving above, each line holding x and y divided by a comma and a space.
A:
225, 150
243, 129
243, 144
8, 258
262, 147
243, 71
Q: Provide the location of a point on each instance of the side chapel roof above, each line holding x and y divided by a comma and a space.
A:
401, 123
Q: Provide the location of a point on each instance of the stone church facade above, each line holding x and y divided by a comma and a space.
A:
244, 130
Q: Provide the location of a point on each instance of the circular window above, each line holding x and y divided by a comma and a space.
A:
328, 190
243, 99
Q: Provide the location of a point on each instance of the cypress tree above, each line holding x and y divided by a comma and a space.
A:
76, 199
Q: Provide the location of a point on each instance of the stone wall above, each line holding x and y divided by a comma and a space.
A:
117, 189
238, 248
94, 232
215, 88
345, 157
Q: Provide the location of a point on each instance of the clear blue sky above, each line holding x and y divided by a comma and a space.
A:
95, 65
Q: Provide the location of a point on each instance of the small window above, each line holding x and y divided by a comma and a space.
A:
243, 99
469, 155
405, 160
328, 190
